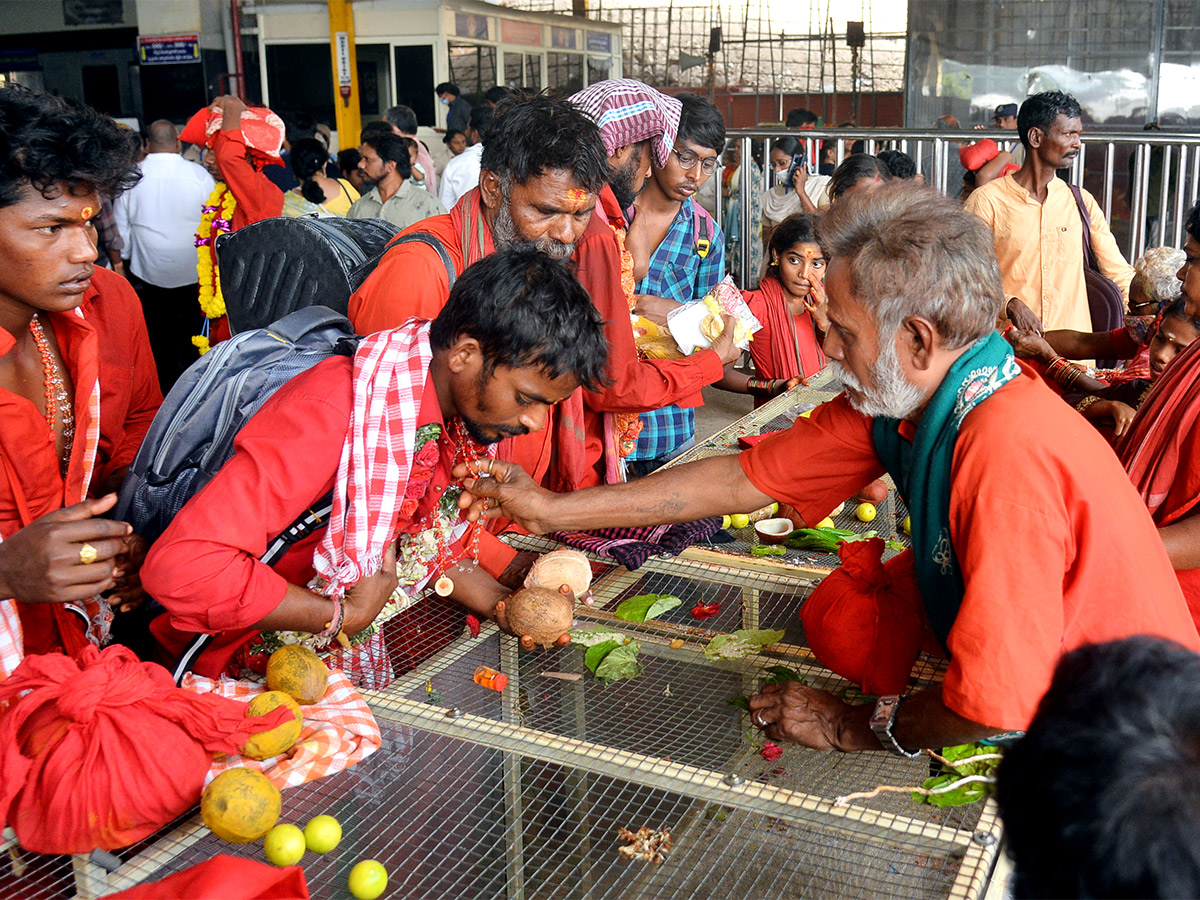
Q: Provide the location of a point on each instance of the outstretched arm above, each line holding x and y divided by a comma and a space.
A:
707, 487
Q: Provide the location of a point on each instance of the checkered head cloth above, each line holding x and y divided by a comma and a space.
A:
628, 111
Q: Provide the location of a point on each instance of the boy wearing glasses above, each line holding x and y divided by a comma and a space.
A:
678, 256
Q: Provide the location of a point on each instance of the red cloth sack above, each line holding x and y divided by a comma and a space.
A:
224, 878
865, 621
103, 750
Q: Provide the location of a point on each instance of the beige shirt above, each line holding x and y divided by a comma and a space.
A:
1040, 249
409, 205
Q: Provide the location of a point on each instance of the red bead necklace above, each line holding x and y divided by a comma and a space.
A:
467, 450
55, 392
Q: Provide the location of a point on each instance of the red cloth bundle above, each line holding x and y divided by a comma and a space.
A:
262, 130
224, 878
865, 621
104, 749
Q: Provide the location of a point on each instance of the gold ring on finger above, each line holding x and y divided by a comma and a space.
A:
87, 554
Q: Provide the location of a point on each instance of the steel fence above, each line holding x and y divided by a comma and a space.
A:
1144, 181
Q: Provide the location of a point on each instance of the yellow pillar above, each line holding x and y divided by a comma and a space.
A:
345, 72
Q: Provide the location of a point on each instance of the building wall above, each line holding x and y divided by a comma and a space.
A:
1128, 62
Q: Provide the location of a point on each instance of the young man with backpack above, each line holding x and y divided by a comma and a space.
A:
678, 256
381, 430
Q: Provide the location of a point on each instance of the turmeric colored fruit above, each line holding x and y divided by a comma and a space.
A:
297, 671
279, 739
240, 805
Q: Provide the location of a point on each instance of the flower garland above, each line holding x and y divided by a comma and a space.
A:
419, 555
216, 219
628, 426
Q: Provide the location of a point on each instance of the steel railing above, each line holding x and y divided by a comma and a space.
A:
1117, 168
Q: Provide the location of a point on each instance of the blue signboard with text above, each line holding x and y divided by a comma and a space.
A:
168, 48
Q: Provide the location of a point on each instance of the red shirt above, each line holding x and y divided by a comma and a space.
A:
257, 197
1056, 548
109, 343
205, 568
410, 281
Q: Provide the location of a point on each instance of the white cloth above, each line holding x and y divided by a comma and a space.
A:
461, 174
158, 218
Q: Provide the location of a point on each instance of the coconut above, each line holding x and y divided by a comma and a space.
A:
876, 492
541, 613
553, 570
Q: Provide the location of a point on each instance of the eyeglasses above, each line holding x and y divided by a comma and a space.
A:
688, 160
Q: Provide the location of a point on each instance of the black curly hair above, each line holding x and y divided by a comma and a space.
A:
47, 142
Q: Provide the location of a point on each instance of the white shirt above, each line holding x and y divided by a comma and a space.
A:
460, 175
158, 218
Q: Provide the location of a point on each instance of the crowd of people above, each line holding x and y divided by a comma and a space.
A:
1052, 501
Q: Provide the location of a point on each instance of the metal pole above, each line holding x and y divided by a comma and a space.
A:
1180, 209
1160, 236
235, 16
1109, 153
748, 231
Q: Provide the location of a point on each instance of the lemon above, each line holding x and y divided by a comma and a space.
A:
825, 523
726, 521
739, 520
775, 508
284, 845
368, 879
322, 834
866, 512
908, 524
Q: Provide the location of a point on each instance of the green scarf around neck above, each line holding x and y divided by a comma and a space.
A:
922, 470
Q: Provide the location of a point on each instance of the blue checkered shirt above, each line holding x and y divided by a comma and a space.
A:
679, 273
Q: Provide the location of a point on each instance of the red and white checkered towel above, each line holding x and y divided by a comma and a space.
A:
338, 732
390, 368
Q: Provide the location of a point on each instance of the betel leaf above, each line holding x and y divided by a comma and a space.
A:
741, 643
740, 702
960, 796
596, 653
768, 550
779, 674
645, 607
589, 637
619, 663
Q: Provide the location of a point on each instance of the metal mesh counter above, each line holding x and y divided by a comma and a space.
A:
519, 794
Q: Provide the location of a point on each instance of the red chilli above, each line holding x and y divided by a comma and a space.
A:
473, 626
705, 610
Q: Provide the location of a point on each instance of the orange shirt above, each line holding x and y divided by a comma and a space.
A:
1056, 548
1040, 249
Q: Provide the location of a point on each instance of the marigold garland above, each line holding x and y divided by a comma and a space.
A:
216, 219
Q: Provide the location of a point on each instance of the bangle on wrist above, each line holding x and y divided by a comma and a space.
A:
334, 626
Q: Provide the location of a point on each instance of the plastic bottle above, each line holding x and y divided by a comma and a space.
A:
490, 678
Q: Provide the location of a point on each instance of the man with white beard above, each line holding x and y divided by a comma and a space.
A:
1028, 539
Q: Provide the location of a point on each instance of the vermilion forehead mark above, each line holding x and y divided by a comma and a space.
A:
86, 213
577, 194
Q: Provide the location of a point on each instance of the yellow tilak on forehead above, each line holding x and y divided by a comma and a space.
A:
577, 194
86, 213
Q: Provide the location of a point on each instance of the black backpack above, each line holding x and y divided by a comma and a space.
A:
192, 435
277, 266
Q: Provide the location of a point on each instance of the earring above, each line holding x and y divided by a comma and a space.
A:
774, 260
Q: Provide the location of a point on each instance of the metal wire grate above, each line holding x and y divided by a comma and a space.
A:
519, 794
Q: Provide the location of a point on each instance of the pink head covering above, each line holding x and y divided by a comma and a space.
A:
628, 111
262, 130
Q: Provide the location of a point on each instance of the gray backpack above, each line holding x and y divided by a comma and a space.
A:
192, 435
